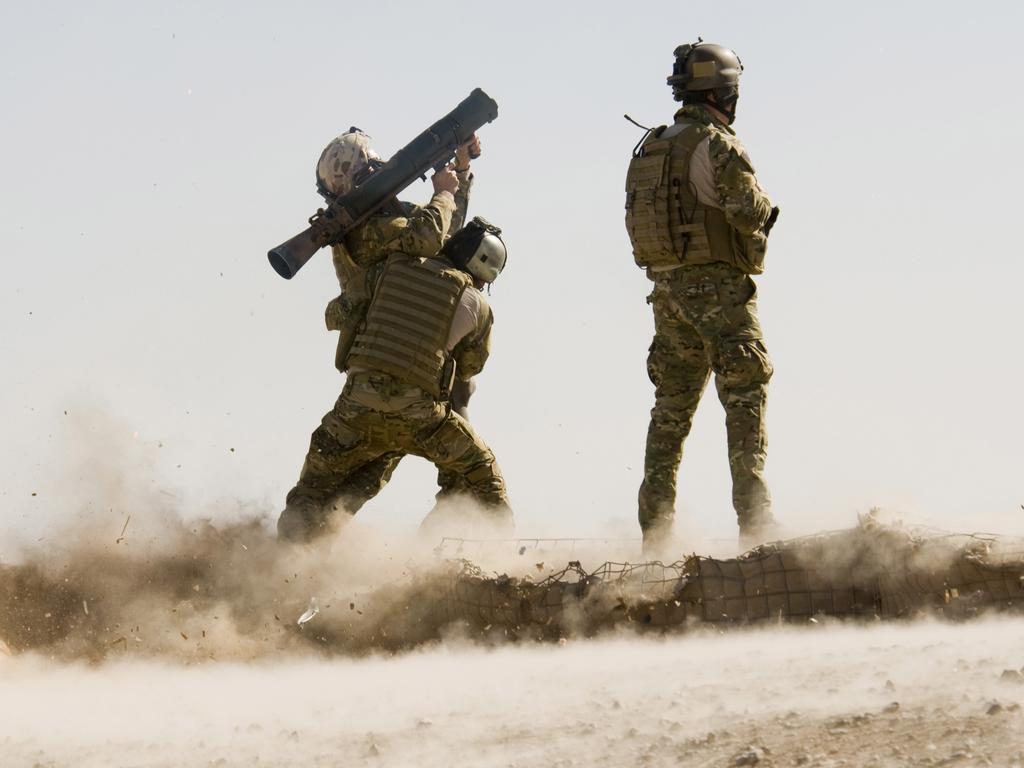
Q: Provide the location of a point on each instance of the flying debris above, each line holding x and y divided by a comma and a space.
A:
311, 611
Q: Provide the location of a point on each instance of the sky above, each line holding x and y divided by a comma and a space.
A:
153, 152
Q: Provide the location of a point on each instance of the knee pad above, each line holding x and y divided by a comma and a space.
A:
451, 440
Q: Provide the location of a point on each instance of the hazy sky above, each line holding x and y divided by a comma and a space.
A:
152, 153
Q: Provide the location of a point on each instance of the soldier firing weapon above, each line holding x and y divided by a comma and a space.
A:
434, 148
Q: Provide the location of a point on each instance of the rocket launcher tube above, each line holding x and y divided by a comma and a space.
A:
432, 149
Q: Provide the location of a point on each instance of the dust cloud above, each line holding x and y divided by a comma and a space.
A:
125, 569
154, 583
139, 632
125, 566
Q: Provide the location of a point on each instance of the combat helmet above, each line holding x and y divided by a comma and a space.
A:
701, 68
478, 249
343, 161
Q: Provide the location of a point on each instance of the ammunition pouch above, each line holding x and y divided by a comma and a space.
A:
346, 316
749, 251
334, 313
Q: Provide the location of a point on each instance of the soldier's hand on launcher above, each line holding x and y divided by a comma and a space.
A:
469, 151
445, 180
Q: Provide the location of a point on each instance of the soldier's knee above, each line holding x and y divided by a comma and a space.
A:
672, 417
672, 364
332, 439
486, 483
745, 363
454, 445
455, 448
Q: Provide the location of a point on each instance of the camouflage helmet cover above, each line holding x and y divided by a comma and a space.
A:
704, 66
342, 160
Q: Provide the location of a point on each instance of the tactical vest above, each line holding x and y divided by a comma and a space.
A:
667, 224
408, 322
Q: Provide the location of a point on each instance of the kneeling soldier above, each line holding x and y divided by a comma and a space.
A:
428, 325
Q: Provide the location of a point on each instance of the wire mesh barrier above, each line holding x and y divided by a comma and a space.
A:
868, 572
613, 592
199, 603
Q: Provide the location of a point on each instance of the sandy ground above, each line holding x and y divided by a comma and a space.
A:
911, 694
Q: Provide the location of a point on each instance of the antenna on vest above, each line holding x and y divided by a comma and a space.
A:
647, 132
634, 122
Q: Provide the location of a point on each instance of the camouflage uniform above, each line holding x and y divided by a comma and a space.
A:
402, 227
380, 417
705, 314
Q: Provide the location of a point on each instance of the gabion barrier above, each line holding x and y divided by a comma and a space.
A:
868, 572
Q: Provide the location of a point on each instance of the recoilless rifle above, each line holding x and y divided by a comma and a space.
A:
432, 149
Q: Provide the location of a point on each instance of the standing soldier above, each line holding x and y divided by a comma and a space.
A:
699, 221
427, 325
398, 227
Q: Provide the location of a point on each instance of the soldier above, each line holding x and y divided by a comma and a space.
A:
416, 230
699, 221
427, 325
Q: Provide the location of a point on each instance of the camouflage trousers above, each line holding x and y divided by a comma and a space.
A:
705, 320
376, 421
369, 480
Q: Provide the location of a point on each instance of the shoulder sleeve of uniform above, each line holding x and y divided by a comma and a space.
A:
427, 226
472, 352
747, 206
420, 232
702, 174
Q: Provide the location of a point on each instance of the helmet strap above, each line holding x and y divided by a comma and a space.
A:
726, 99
